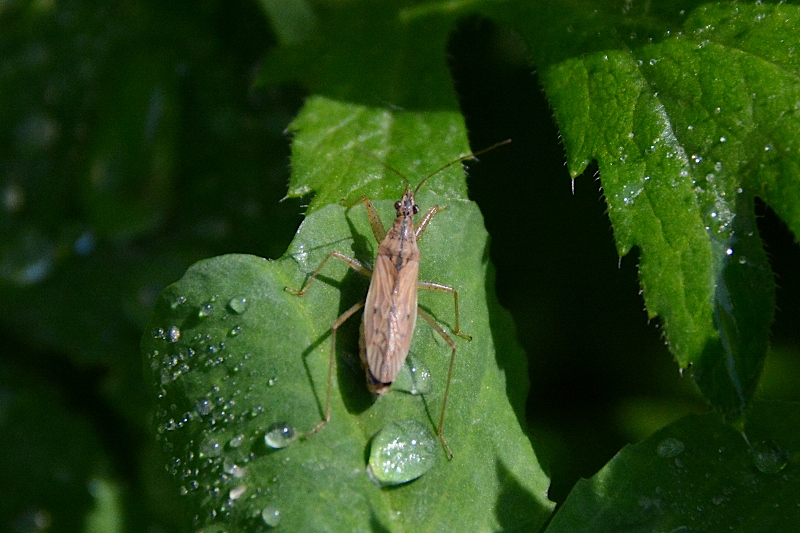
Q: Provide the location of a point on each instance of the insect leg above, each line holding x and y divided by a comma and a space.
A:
339, 321
355, 264
432, 286
378, 229
422, 223
439, 430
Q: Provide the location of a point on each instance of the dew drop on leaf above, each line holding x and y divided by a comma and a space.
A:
206, 310
669, 447
204, 407
173, 334
401, 452
768, 457
233, 469
414, 377
279, 435
238, 305
271, 516
211, 448
177, 302
237, 492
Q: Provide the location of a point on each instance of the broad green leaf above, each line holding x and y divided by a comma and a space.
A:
690, 115
337, 144
697, 474
232, 354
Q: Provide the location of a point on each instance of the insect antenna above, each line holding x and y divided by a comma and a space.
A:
385, 165
471, 155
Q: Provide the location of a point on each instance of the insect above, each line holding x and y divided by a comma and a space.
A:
390, 309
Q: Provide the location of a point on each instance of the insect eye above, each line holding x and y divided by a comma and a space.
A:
397, 205
415, 209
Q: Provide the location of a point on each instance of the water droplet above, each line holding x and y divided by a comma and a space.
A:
204, 407
669, 447
206, 310
236, 441
272, 381
729, 251
235, 331
767, 148
401, 452
233, 469
173, 334
271, 516
414, 377
768, 457
742, 259
177, 302
718, 166
723, 139
211, 448
280, 435
238, 305
236, 492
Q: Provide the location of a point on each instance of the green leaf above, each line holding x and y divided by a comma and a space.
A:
697, 474
339, 147
227, 374
690, 116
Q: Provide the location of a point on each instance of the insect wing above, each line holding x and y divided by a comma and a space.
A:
389, 318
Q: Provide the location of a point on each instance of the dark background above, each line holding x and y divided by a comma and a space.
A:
76, 280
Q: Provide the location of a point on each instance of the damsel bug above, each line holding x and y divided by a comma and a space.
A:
390, 309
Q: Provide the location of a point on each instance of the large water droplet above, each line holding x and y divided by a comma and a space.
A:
237, 492
206, 310
669, 447
173, 334
414, 377
177, 302
238, 305
769, 458
271, 516
211, 448
401, 452
204, 407
233, 469
280, 435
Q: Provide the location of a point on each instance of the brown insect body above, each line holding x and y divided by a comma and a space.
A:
390, 309
390, 312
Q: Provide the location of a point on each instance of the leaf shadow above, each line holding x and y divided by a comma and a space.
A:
348, 372
509, 355
513, 501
